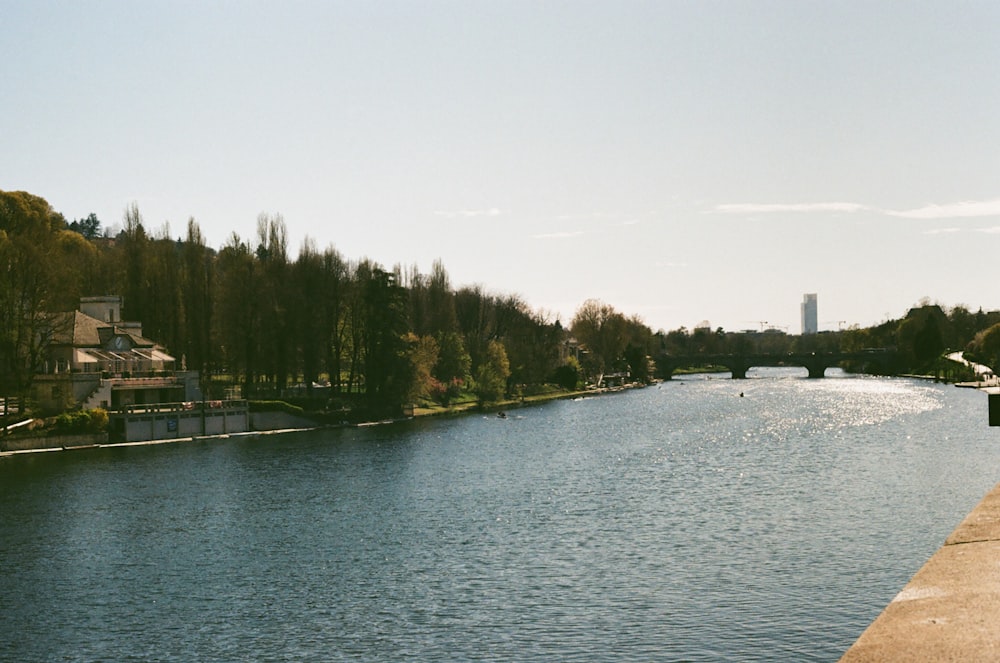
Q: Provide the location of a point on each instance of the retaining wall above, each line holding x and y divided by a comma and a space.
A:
52, 442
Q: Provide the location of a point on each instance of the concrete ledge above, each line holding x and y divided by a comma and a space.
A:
75, 441
950, 610
263, 421
982, 524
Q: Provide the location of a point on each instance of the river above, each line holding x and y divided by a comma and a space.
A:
681, 522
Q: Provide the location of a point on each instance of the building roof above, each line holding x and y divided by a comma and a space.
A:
82, 331
75, 328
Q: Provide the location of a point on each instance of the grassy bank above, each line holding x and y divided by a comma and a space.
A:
432, 410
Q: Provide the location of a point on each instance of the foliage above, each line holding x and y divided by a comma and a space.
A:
423, 355
249, 315
569, 375
920, 336
601, 331
387, 370
90, 228
453, 362
636, 352
82, 421
491, 378
98, 420
446, 393
985, 347
41, 273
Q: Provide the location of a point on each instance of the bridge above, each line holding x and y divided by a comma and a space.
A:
816, 363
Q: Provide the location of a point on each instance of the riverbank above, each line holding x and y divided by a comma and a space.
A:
950, 608
277, 423
263, 423
46, 445
513, 403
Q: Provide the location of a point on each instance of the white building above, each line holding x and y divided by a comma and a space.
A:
809, 314
95, 359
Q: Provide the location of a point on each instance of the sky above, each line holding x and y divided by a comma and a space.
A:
680, 161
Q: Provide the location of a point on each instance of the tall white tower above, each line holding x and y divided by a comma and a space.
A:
809, 314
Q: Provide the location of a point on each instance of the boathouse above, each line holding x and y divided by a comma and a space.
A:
94, 359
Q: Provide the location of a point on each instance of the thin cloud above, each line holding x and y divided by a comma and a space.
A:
962, 210
995, 230
942, 231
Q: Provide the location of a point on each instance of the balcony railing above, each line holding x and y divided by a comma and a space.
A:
185, 406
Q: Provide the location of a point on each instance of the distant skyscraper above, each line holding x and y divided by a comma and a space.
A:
809, 317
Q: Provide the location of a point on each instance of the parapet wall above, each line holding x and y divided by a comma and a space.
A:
950, 610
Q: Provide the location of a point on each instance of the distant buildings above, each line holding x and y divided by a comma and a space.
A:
809, 314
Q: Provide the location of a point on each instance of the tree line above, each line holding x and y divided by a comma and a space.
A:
249, 316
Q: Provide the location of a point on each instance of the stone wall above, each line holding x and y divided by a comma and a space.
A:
52, 441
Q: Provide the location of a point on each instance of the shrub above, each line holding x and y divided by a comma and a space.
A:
98, 420
82, 421
567, 376
446, 392
64, 423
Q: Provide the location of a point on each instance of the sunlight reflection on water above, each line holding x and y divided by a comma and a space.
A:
679, 522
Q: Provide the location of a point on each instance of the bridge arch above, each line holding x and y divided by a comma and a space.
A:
815, 363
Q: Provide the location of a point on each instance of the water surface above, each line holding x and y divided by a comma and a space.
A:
679, 522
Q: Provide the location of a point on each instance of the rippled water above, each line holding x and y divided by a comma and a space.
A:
679, 522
